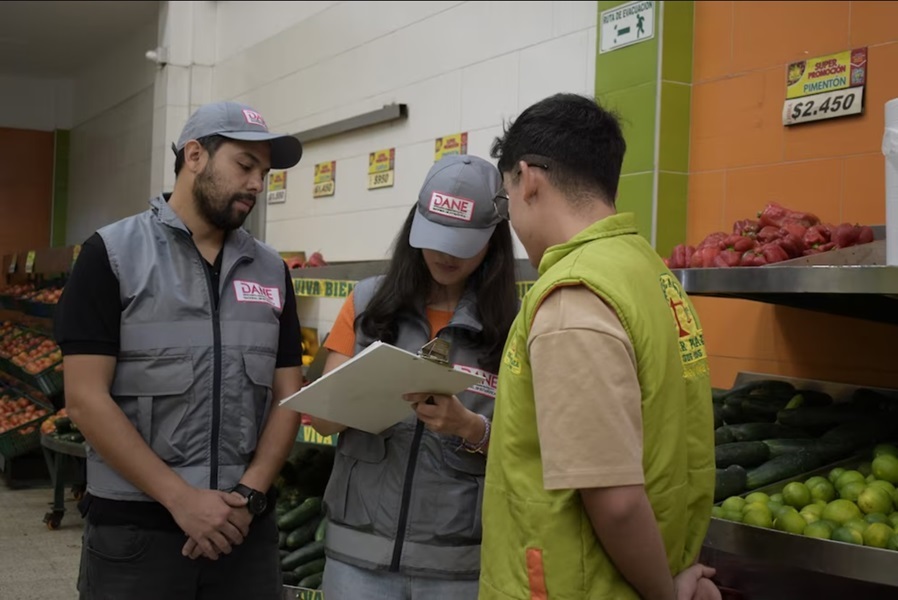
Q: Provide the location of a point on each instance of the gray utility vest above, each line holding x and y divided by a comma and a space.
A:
409, 500
194, 381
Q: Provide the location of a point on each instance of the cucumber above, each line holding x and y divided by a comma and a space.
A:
766, 387
733, 414
303, 513
321, 531
744, 454
860, 433
303, 555
309, 568
282, 539
780, 447
819, 419
783, 467
729, 482
723, 435
766, 408
283, 554
718, 415
63, 425
718, 396
288, 578
312, 582
303, 534
814, 398
755, 432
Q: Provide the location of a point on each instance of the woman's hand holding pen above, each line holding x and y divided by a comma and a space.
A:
447, 415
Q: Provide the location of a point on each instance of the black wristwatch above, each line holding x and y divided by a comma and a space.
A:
256, 501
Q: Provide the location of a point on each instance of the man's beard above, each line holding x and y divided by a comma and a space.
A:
207, 195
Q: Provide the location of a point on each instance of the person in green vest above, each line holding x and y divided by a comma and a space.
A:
600, 477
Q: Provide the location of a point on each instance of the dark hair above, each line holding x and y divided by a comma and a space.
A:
211, 143
581, 140
408, 283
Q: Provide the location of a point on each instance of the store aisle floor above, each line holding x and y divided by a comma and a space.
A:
36, 563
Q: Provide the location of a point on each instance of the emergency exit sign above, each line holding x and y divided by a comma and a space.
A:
626, 25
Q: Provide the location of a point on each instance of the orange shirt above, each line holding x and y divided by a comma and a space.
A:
342, 336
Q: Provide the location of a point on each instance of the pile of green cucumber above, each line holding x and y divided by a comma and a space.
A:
302, 528
767, 431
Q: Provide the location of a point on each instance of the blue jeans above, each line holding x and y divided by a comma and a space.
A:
346, 582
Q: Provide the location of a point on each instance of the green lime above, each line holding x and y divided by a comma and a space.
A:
756, 506
778, 498
835, 474
884, 485
734, 503
815, 480
878, 535
848, 477
790, 521
841, 511
758, 518
877, 518
733, 515
775, 508
870, 478
852, 491
847, 535
865, 469
757, 497
892, 544
885, 467
717, 512
809, 517
874, 499
822, 490
814, 509
797, 495
888, 449
822, 503
819, 529
893, 520
858, 525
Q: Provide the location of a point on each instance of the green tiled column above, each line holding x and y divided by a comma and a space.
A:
60, 188
648, 85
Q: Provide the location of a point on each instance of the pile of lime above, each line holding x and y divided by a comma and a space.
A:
856, 506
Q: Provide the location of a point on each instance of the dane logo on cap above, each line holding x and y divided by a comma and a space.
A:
254, 118
452, 207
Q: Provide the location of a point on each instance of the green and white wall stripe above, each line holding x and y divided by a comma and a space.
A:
648, 85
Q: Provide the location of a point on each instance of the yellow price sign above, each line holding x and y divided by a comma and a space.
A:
29, 261
12, 264
380, 180
450, 145
325, 179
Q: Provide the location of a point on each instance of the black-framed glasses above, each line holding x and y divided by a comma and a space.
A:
500, 205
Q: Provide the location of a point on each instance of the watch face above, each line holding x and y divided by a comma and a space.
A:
257, 503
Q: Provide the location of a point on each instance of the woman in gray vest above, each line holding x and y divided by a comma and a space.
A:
404, 506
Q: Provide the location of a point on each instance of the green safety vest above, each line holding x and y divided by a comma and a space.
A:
540, 543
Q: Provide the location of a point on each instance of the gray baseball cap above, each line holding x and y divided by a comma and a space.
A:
240, 122
456, 212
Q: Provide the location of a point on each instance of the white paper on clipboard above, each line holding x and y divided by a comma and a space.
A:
366, 391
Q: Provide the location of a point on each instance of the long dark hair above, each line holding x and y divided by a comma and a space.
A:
407, 286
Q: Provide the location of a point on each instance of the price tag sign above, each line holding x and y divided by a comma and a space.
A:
830, 105
75, 252
12, 264
381, 164
325, 179
29, 261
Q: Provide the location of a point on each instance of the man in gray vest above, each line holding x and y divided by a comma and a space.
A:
180, 335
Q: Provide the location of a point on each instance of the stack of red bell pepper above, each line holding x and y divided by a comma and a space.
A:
777, 234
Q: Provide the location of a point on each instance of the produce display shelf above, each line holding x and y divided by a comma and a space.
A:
840, 290
766, 563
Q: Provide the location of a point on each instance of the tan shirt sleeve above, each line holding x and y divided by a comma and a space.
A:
588, 399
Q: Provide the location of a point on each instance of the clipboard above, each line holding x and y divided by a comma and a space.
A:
366, 391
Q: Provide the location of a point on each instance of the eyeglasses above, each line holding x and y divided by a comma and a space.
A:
500, 205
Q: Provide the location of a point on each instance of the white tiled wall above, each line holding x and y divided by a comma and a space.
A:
459, 66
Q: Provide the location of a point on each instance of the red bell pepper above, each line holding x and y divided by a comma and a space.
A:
713, 240
680, 256
728, 258
816, 235
739, 243
769, 233
795, 229
704, 258
773, 253
792, 244
753, 258
746, 227
776, 215
845, 235
827, 247
865, 235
